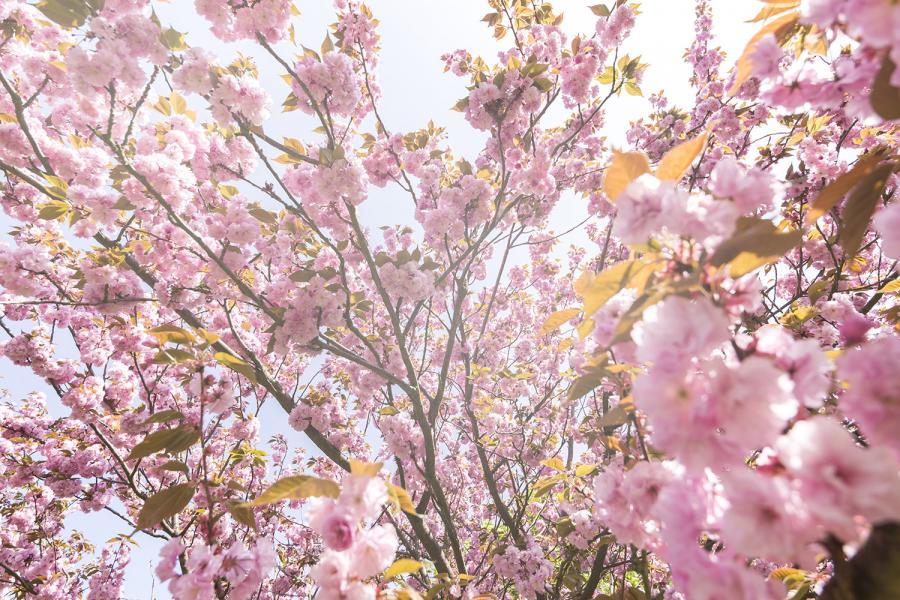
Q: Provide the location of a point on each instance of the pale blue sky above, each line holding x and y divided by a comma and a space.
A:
414, 35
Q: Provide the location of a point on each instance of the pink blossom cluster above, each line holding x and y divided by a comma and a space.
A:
243, 569
355, 550
663, 370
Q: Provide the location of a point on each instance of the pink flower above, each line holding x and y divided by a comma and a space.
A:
754, 401
844, 485
766, 518
165, 569
872, 397
854, 327
331, 571
766, 57
887, 222
749, 189
362, 497
803, 360
334, 523
625, 500
678, 330
640, 209
373, 551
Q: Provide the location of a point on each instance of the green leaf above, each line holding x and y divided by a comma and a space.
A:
543, 84
545, 485
755, 243
243, 515
236, 364
173, 40
631, 89
172, 356
435, 590
792, 578
798, 315
817, 289
188, 438
175, 465
885, 98
600, 10
54, 209
618, 414
402, 565
170, 440
860, 207
164, 504
564, 527
635, 312
587, 382
163, 416
296, 487
364, 469
302, 276
584, 470
68, 13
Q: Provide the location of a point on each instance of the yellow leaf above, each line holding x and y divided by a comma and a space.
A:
401, 498
171, 333
557, 319
295, 144
775, 9
597, 289
179, 104
364, 469
296, 487
402, 565
164, 106
584, 470
780, 27
891, 288
624, 168
208, 336
57, 182
554, 463
585, 328
228, 191
676, 161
